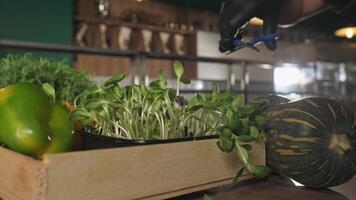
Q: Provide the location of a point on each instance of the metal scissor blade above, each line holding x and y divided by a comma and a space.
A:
253, 47
248, 45
235, 49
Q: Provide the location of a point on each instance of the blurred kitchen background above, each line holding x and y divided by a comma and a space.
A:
140, 37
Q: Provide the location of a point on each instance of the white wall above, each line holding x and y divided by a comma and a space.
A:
207, 46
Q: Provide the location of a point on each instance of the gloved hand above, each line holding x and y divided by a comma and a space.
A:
236, 13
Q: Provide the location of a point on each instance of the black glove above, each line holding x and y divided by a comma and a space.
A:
236, 13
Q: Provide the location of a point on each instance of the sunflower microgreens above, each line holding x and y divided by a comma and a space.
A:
150, 112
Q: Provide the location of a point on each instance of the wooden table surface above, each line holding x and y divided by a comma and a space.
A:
276, 188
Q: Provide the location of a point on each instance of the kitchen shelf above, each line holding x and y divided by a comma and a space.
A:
139, 59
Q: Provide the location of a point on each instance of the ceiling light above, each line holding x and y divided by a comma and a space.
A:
348, 32
256, 21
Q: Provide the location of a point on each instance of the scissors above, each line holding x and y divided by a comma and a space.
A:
240, 44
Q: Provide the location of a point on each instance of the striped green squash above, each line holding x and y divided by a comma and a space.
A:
312, 141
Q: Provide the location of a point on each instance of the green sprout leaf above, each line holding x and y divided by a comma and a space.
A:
96, 103
226, 143
245, 122
207, 197
162, 79
195, 108
238, 174
184, 80
216, 89
79, 115
239, 101
260, 120
155, 84
260, 171
114, 80
178, 69
263, 135
245, 138
234, 123
49, 91
243, 154
248, 109
254, 132
248, 147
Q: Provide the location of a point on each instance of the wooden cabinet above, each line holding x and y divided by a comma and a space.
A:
158, 27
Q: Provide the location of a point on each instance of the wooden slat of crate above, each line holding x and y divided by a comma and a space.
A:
144, 172
21, 177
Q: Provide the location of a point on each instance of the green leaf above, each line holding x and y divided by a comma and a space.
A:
245, 121
207, 197
260, 120
243, 154
178, 69
180, 101
195, 108
78, 115
248, 109
226, 145
201, 97
254, 132
245, 138
238, 174
66, 80
49, 91
162, 79
239, 101
226, 142
244, 131
155, 84
114, 80
184, 80
263, 135
234, 123
226, 133
248, 147
260, 171
216, 89
96, 103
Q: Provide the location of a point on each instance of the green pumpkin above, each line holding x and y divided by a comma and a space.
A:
312, 141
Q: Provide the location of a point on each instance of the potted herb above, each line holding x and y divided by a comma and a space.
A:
67, 81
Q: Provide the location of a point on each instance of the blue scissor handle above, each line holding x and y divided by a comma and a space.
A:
237, 42
264, 38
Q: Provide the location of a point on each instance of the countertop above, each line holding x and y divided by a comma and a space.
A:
275, 188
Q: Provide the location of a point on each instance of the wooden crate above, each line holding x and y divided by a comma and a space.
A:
141, 172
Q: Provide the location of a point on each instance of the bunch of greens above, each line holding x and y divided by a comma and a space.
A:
157, 112
150, 112
67, 81
243, 126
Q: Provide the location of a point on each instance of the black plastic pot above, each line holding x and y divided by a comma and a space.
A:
93, 141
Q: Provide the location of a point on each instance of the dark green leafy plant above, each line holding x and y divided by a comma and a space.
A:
67, 81
243, 126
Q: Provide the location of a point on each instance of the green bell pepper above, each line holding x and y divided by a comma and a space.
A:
31, 123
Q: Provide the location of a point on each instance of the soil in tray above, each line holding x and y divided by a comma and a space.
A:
90, 141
